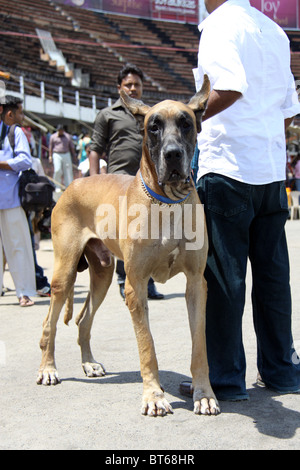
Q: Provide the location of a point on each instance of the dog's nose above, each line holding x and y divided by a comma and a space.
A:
173, 152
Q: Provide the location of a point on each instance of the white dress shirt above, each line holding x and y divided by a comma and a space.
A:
242, 50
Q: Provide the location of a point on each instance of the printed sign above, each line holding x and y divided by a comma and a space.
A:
127, 7
174, 10
178, 10
283, 12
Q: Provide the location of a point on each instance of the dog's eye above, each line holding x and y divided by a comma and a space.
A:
185, 124
154, 128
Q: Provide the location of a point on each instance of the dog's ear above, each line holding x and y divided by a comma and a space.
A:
199, 101
136, 107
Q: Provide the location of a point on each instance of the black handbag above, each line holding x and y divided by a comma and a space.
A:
35, 192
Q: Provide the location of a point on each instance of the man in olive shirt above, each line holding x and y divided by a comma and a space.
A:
116, 133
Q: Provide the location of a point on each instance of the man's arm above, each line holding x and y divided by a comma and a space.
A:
220, 100
94, 158
20, 159
288, 122
50, 149
5, 166
72, 148
99, 142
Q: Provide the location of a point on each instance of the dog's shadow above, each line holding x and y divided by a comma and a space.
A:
268, 414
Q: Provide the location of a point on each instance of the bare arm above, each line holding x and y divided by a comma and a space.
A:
288, 122
219, 101
5, 166
94, 158
50, 150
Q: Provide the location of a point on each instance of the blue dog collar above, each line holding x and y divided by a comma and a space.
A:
158, 198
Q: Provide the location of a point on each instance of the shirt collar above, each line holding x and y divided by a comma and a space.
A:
221, 10
118, 104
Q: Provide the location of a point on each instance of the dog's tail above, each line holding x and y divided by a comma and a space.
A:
69, 307
83, 310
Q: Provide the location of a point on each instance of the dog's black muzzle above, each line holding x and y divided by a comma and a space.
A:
174, 166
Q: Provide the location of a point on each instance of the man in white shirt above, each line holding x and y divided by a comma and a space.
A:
241, 177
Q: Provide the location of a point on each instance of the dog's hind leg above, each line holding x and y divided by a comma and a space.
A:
61, 286
100, 279
67, 252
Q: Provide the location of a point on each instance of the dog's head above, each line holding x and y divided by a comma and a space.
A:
170, 132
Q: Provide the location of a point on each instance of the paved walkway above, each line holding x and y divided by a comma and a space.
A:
104, 413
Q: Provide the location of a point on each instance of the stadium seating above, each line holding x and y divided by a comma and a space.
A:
98, 44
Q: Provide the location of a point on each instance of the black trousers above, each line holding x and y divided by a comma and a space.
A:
247, 222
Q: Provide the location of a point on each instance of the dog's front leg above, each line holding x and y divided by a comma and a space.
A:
153, 402
205, 401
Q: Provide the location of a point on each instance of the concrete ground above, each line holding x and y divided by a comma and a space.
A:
104, 413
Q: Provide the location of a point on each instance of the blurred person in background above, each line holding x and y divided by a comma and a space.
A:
15, 238
61, 152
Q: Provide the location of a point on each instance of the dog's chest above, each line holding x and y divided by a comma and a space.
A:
168, 262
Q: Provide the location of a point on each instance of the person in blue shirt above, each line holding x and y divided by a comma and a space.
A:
15, 239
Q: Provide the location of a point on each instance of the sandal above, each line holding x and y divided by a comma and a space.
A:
186, 389
25, 301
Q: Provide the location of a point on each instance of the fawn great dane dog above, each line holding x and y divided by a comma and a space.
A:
97, 217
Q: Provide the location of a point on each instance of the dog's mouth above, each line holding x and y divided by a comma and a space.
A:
176, 186
174, 178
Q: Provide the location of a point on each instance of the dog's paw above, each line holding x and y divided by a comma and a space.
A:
48, 377
206, 406
93, 369
156, 405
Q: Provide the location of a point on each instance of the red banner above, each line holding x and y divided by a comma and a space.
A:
174, 10
283, 12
